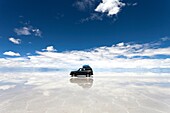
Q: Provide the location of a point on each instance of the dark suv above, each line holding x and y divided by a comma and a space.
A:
85, 70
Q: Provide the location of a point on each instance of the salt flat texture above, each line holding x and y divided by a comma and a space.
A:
103, 93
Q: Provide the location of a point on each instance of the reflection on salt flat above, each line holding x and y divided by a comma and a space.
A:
59, 93
83, 82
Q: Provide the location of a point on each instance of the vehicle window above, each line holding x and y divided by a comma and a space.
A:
80, 69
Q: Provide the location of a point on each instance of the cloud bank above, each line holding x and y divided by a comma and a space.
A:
120, 56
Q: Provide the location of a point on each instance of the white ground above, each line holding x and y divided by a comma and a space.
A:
104, 93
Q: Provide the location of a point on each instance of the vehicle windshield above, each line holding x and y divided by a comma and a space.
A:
80, 69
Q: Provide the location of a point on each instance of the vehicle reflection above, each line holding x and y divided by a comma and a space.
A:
84, 82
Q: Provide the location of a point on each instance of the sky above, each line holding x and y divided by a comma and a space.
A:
74, 32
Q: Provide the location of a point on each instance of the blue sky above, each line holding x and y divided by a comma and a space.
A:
32, 28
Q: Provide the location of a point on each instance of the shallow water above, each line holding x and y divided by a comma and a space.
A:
102, 93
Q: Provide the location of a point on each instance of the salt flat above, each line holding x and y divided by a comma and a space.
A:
57, 92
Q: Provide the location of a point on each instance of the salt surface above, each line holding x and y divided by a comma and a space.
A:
59, 93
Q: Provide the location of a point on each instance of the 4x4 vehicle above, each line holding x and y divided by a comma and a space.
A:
85, 70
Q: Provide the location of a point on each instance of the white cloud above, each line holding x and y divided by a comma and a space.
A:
10, 53
28, 54
112, 7
132, 4
37, 32
165, 38
151, 52
28, 30
106, 57
22, 31
50, 49
120, 44
135, 4
121, 55
15, 41
92, 17
84, 4
5, 87
109, 7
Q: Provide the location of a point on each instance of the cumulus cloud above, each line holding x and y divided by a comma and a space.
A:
98, 10
28, 30
112, 7
50, 49
15, 41
11, 53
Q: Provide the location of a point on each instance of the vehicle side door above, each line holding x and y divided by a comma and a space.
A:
84, 71
80, 71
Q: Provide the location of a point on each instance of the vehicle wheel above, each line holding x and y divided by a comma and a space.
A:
88, 75
73, 75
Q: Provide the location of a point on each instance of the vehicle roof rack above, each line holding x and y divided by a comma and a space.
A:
86, 66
